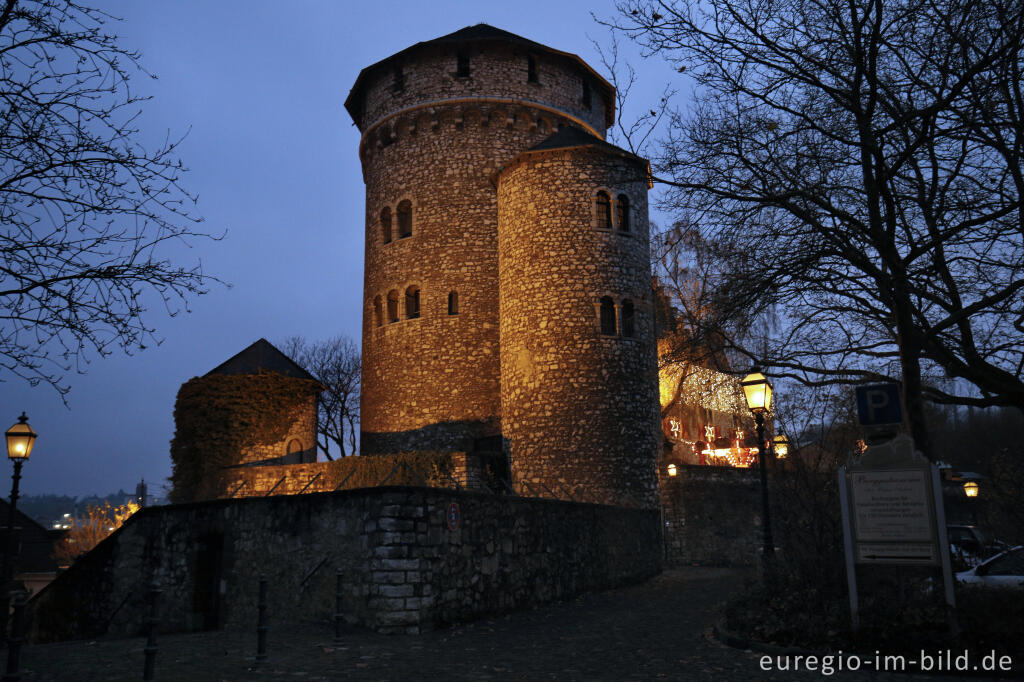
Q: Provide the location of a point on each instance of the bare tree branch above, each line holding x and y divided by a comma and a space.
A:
87, 212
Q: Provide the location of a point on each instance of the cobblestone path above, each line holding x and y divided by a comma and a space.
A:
655, 631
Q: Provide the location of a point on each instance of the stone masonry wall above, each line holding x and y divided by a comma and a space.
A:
433, 381
497, 70
579, 407
346, 474
405, 569
712, 516
302, 429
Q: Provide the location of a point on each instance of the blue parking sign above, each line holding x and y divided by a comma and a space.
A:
879, 404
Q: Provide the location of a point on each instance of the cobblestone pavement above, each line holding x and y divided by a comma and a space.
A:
654, 631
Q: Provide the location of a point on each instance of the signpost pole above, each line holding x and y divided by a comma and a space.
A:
947, 570
851, 569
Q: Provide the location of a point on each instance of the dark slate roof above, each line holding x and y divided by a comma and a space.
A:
261, 355
37, 543
482, 32
479, 32
571, 136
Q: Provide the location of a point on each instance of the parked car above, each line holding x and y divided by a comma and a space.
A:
968, 539
1005, 569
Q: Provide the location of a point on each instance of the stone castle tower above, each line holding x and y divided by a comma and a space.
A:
507, 275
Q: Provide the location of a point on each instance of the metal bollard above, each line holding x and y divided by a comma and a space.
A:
338, 617
261, 623
16, 639
153, 595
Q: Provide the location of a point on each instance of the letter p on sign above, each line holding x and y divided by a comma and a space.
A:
879, 404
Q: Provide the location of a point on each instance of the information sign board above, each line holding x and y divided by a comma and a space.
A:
892, 506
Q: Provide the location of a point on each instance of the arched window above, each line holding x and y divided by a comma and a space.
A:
453, 303
296, 453
378, 313
385, 224
603, 210
628, 318
393, 306
405, 219
608, 316
412, 302
531, 69
622, 212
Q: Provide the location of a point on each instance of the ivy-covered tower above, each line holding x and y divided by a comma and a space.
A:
257, 408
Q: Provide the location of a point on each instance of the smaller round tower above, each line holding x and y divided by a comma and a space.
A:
578, 366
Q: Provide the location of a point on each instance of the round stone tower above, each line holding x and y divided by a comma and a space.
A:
438, 120
578, 364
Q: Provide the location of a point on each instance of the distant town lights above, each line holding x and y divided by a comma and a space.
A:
20, 439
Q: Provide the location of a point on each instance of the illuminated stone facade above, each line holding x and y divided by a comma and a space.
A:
440, 120
579, 403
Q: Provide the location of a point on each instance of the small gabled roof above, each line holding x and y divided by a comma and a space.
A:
480, 32
264, 356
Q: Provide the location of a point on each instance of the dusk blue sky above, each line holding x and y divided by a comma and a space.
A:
273, 158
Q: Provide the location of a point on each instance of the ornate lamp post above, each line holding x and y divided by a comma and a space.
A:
758, 393
20, 439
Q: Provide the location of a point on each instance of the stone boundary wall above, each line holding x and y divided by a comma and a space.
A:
711, 516
405, 570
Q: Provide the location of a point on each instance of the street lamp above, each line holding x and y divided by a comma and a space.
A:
971, 489
780, 446
672, 470
758, 393
20, 439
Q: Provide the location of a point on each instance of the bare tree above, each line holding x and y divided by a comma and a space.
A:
855, 167
87, 212
336, 363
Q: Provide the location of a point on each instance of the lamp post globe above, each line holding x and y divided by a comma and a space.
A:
20, 439
758, 392
780, 446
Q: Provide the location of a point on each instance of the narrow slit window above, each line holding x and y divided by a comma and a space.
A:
392, 306
585, 96
603, 210
453, 303
385, 224
378, 312
628, 319
462, 65
405, 219
622, 210
397, 79
531, 70
412, 302
607, 316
